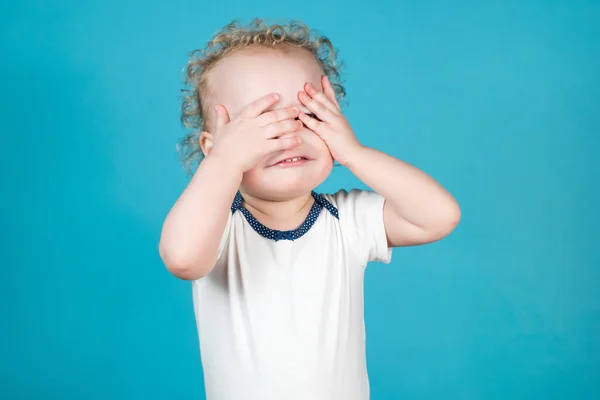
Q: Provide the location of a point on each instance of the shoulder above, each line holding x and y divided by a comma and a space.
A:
354, 199
357, 208
361, 221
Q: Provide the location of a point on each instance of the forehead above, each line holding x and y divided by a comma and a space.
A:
248, 75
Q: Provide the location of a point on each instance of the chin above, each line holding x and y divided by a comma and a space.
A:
284, 184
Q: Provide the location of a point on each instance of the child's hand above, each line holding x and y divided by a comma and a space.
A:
330, 124
249, 138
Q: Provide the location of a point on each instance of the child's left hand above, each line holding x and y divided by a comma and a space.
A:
328, 121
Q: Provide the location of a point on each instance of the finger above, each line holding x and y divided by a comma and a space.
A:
280, 127
222, 116
315, 107
311, 123
320, 97
259, 106
329, 91
278, 115
284, 143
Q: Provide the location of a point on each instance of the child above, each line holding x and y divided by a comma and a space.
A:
277, 269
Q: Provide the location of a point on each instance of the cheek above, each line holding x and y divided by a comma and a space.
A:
251, 177
322, 151
323, 159
327, 165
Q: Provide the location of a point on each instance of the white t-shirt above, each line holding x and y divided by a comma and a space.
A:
281, 317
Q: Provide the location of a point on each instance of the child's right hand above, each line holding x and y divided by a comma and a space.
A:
249, 138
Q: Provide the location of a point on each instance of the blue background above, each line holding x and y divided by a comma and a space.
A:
497, 100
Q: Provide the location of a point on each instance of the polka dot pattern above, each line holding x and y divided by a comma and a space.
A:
272, 234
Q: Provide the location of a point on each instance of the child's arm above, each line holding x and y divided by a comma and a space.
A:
193, 229
417, 209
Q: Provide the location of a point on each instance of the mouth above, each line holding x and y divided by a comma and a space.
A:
291, 161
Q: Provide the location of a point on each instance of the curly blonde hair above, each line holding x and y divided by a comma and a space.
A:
233, 37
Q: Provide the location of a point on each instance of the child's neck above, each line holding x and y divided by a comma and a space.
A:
280, 215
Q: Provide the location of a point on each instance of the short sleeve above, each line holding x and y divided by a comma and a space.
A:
361, 218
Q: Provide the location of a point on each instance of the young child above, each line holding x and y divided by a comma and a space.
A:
277, 269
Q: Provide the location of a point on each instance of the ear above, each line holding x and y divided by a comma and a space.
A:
206, 142
207, 138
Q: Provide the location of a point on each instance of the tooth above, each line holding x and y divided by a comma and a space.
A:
293, 159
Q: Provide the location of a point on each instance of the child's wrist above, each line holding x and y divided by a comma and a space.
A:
354, 156
223, 165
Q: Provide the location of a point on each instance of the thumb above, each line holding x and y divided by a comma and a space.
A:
222, 116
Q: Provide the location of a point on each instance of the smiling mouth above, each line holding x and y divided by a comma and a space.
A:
289, 162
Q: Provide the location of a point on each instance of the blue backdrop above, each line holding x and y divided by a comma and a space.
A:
497, 100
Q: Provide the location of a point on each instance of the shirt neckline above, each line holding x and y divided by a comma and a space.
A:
294, 234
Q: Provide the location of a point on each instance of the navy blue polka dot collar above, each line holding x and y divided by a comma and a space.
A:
320, 203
